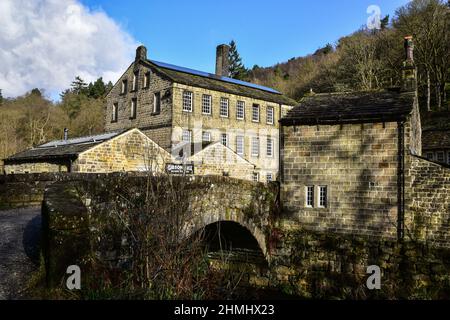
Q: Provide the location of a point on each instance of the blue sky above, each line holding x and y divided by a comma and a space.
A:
266, 31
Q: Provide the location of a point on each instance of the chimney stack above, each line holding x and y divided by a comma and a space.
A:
66, 134
409, 72
141, 53
222, 65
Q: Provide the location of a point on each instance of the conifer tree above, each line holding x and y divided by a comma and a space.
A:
237, 69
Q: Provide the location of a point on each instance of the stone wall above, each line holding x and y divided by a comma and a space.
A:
156, 125
357, 163
131, 151
36, 167
428, 202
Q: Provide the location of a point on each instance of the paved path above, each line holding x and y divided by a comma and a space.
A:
19, 249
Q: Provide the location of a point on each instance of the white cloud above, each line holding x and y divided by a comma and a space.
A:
46, 43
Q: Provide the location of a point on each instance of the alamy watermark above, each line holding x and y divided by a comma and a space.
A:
374, 280
73, 281
374, 20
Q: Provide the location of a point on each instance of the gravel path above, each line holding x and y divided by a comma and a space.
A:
19, 249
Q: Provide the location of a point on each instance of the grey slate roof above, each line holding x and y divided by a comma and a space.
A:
356, 107
213, 82
436, 139
61, 149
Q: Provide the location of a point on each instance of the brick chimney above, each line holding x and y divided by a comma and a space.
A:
141, 53
409, 71
222, 65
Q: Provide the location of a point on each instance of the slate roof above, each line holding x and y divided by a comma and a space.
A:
356, 107
435, 139
63, 149
213, 82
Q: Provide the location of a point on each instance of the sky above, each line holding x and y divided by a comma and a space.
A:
46, 43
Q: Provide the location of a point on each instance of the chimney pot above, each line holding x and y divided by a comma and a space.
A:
141, 53
222, 64
66, 134
409, 72
409, 48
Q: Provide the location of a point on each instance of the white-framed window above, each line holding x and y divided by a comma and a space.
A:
430, 156
187, 135
146, 79
240, 145
440, 157
255, 113
270, 115
269, 147
310, 196
133, 112
240, 110
255, 146
206, 136
135, 81
206, 104
323, 196
157, 102
115, 112
269, 177
224, 139
187, 101
255, 177
124, 86
224, 107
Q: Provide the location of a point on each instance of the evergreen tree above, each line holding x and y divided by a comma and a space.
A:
385, 22
237, 69
97, 89
79, 86
1, 97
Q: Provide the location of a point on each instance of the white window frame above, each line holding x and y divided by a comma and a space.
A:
271, 119
207, 104
322, 196
432, 156
269, 147
269, 176
186, 134
188, 101
255, 147
206, 136
224, 138
154, 102
224, 105
255, 177
240, 145
115, 112
240, 110
442, 153
309, 196
133, 109
257, 108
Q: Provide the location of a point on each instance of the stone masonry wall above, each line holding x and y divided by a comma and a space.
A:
156, 125
358, 164
428, 206
36, 167
132, 151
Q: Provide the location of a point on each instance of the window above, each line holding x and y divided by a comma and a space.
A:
224, 107
255, 147
269, 147
133, 108
157, 102
441, 157
115, 112
206, 136
206, 104
269, 115
187, 101
187, 135
269, 177
323, 190
240, 110
240, 145
147, 80
123, 89
135, 81
310, 196
224, 139
430, 156
255, 113
255, 176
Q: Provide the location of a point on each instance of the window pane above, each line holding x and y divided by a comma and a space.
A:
206, 136
225, 139
269, 147
187, 101
255, 176
157, 102
440, 156
270, 115
187, 135
310, 196
255, 113
240, 145
240, 110
133, 108
255, 146
206, 104
323, 196
115, 111
223, 107
269, 177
